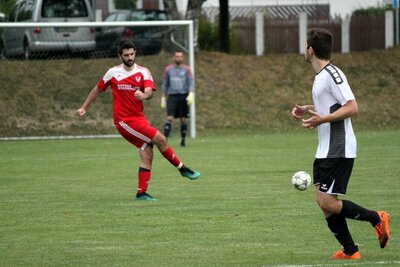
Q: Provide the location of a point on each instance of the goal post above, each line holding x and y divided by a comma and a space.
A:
188, 24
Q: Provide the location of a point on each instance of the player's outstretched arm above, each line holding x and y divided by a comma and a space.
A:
94, 93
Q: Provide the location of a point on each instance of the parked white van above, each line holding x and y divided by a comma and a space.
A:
28, 42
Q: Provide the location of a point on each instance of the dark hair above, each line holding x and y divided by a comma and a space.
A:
125, 44
321, 41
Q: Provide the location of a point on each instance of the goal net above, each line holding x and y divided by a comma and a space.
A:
45, 79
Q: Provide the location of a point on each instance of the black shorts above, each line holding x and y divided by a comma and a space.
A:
333, 174
177, 106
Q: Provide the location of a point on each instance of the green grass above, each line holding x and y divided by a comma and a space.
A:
70, 203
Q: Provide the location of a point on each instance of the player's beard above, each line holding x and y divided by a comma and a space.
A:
178, 62
128, 63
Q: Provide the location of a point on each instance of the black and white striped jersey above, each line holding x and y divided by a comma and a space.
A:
330, 92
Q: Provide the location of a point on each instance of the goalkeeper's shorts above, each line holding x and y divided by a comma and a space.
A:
177, 106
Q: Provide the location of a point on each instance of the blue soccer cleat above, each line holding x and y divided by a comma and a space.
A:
188, 173
144, 197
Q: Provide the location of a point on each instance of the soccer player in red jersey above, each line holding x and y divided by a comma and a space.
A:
130, 85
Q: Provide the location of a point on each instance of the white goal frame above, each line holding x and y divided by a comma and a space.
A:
190, 49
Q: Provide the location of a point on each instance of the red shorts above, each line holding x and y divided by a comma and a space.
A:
138, 132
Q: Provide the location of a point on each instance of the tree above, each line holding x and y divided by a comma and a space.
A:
224, 43
194, 9
193, 12
171, 9
125, 4
6, 6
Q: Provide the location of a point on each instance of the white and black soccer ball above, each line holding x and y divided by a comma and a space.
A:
301, 180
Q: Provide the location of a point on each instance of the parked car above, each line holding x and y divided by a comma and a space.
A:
148, 39
28, 42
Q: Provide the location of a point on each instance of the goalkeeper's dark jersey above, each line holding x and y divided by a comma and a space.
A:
177, 79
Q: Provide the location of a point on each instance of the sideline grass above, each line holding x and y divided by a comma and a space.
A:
70, 203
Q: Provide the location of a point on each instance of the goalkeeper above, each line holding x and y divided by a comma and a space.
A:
177, 94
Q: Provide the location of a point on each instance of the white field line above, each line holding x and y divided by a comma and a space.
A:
62, 137
339, 264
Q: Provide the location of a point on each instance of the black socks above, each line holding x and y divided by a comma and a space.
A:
183, 130
338, 226
353, 211
167, 128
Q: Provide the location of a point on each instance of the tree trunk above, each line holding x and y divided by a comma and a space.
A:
193, 13
224, 40
194, 9
171, 9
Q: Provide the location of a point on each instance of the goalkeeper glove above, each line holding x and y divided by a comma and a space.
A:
190, 98
163, 102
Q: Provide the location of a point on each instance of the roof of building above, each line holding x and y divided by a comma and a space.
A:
276, 11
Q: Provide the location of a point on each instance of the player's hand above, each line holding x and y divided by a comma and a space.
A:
190, 98
81, 112
314, 121
163, 102
139, 95
298, 111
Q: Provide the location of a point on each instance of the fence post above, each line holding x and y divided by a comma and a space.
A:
99, 15
259, 34
302, 32
346, 34
389, 38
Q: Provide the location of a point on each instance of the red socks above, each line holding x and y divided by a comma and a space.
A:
144, 179
170, 155
145, 174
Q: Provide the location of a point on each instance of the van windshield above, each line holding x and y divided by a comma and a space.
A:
142, 15
64, 9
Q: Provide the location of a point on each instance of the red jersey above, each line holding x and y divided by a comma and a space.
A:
124, 84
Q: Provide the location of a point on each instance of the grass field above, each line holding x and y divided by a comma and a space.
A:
70, 203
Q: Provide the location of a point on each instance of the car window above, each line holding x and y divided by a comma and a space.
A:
25, 12
64, 9
13, 14
121, 17
111, 17
161, 16
143, 15
137, 16
20, 11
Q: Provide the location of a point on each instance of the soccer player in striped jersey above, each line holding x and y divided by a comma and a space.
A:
334, 105
131, 84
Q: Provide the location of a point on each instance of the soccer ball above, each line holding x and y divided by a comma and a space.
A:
301, 180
